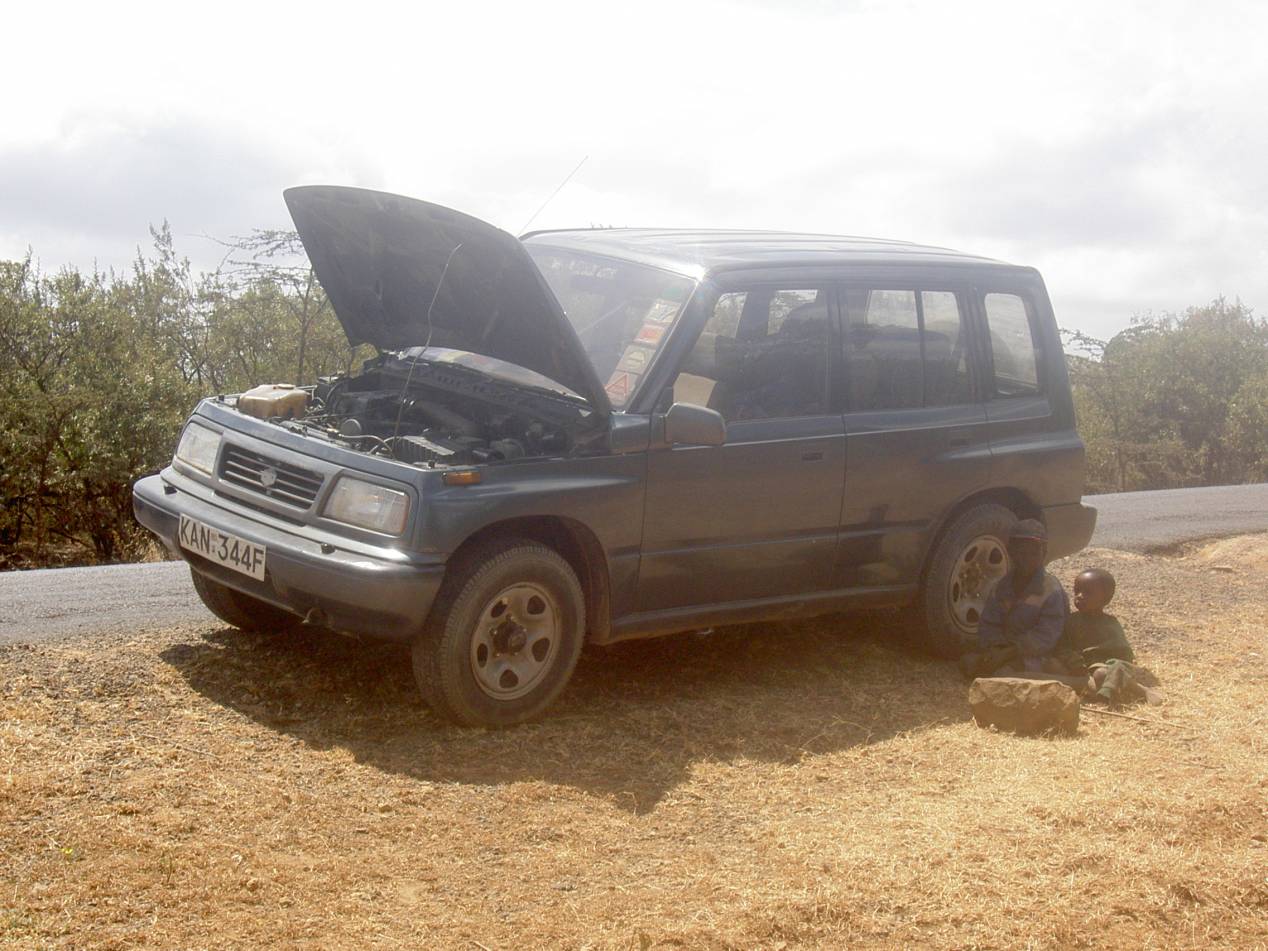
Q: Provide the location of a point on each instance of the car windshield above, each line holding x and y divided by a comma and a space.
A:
621, 311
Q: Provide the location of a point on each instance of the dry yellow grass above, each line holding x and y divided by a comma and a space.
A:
809, 785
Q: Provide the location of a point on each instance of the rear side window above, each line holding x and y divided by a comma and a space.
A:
762, 355
905, 349
1012, 345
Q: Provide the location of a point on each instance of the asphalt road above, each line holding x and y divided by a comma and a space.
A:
1149, 521
117, 599
54, 603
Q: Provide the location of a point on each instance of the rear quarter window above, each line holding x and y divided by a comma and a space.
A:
1010, 323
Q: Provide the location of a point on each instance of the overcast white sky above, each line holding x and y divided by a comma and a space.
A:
1119, 147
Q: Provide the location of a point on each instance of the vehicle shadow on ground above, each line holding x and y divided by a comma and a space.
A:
630, 726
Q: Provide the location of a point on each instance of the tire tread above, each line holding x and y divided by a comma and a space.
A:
446, 630
238, 609
939, 634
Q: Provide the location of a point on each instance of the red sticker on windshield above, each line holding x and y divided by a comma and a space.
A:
650, 333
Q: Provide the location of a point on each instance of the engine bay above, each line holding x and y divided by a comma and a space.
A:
433, 414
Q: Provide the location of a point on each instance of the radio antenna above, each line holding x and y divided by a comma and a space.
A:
396, 430
524, 227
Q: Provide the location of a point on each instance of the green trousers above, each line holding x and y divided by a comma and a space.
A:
1124, 683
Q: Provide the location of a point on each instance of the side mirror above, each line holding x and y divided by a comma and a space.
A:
692, 425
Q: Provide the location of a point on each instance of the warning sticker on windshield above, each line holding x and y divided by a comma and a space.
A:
662, 312
635, 359
620, 386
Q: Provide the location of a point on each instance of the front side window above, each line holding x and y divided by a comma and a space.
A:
762, 355
1012, 345
622, 311
904, 349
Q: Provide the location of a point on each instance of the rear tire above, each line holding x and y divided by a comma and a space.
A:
503, 637
970, 557
240, 610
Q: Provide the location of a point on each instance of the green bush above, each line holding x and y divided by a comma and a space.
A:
98, 371
1175, 400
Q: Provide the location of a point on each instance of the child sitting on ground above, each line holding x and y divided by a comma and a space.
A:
1023, 615
1097, 640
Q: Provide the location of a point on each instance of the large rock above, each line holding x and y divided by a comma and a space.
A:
1024, 706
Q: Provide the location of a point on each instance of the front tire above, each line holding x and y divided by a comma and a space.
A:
503, 637
240, 610
971, 556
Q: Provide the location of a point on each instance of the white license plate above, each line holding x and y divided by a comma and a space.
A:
222, 548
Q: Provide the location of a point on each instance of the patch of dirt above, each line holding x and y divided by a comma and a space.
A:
1246, 553
785, 785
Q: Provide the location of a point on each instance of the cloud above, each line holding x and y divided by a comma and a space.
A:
102, 184
1115, 147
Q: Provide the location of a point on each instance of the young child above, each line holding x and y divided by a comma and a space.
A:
1098, 640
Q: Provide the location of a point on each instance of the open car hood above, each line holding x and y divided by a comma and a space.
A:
380, 258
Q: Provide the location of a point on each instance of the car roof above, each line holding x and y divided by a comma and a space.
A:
700, 252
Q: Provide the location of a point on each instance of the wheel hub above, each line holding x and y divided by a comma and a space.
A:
983, 561
516, 641
509, 637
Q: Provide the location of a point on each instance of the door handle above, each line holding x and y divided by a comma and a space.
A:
959, 438
811, 456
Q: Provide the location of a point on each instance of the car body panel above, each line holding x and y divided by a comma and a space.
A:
756, 517
375, 593
906, 469
405, 273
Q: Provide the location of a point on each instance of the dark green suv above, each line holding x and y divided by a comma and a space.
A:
597, 435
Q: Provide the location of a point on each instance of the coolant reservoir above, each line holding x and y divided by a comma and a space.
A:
274, 399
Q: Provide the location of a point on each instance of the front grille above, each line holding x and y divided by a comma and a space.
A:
288, 484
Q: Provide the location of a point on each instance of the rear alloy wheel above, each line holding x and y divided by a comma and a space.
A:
241, 610
969, 559
503, 637
983, 562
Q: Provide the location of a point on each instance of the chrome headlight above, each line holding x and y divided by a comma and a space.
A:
367, 505
198, 447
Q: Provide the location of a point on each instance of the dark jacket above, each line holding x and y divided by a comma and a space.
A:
1032, 621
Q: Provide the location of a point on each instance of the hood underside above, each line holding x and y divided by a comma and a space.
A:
406, 273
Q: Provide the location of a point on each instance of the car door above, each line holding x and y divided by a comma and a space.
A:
917, 439
755, 518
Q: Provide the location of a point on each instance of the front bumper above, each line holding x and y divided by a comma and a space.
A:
360, 589
1069, 527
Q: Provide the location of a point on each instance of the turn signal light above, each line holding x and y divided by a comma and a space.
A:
462, 477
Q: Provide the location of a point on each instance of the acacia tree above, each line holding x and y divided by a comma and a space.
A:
1248, 426
98, 370
1101, 405
1170, 401
272, 266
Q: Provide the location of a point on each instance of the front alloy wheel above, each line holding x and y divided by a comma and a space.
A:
516, 641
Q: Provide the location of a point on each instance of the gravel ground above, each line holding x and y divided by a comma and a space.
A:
778, 786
